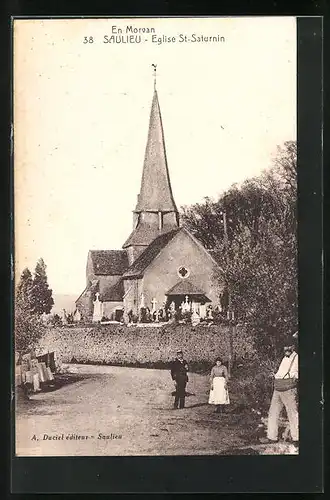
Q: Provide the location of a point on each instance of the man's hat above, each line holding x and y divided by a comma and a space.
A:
289, 345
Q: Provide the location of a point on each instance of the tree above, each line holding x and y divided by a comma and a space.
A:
243, 205
24, 297
28, 330
41, 293
262, 284
270, 196
258, 251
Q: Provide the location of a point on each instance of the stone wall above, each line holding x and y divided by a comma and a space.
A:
112, 344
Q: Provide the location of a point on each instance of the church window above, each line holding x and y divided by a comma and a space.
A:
183, 272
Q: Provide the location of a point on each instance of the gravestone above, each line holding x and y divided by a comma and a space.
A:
97, 313
195, 319
202, 311
209, 314
77, 316
153, 302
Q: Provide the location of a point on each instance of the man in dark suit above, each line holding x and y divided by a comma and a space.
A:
179, 371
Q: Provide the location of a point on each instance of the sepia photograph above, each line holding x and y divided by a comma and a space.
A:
155, 225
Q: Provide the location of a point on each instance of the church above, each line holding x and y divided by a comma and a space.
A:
161, 265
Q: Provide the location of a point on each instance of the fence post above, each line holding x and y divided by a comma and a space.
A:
232, 332
230, 363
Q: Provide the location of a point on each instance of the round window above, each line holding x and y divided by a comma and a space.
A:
183, 272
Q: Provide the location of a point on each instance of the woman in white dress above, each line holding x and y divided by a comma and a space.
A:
218, 381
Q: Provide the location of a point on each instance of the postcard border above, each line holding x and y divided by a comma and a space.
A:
301, 473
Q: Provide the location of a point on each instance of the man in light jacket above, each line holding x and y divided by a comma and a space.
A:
287, 398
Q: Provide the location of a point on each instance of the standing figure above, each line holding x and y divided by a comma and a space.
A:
148, 315
130, 316
179, 371
218, 385
284, 395
143, 315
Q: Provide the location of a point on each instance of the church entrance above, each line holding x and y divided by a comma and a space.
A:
188, 303
118, 314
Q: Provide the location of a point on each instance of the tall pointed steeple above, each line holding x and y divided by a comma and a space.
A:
155, 212
156, 192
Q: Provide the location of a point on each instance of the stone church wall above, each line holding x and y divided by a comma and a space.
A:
90, 276
162, 274
85, 305
133, 252
132, 296
109, 308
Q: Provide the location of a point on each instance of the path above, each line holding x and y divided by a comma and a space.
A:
133, 403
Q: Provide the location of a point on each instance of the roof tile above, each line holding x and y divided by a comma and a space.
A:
185, 287
149, 254
109, 262
114, 293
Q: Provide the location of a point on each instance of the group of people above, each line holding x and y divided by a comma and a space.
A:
218, 382
284, 392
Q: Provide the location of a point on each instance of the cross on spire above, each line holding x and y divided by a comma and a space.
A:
155, 74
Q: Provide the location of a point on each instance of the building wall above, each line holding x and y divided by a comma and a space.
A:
130, 255
132, 296
162, 274
90, 276
133, 252
85, 302
85, 305
169, 220
110, 307
150, 218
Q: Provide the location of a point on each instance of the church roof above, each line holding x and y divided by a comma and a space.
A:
185, 287
149, 254
156, 192
109, 262
108, 293
143, 235
114, 293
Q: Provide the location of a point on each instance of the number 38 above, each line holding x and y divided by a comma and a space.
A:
88, 39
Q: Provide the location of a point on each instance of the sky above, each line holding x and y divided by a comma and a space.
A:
81, 114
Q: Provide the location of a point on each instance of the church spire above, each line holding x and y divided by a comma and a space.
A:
155, 212
155, 74
156, 192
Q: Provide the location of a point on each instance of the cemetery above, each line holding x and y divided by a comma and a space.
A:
34, 373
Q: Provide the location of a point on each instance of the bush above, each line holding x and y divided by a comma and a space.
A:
254, 385
55, 320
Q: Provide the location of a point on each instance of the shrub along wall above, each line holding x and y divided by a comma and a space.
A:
143, 346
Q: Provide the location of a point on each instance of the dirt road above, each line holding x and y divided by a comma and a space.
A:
125, 411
